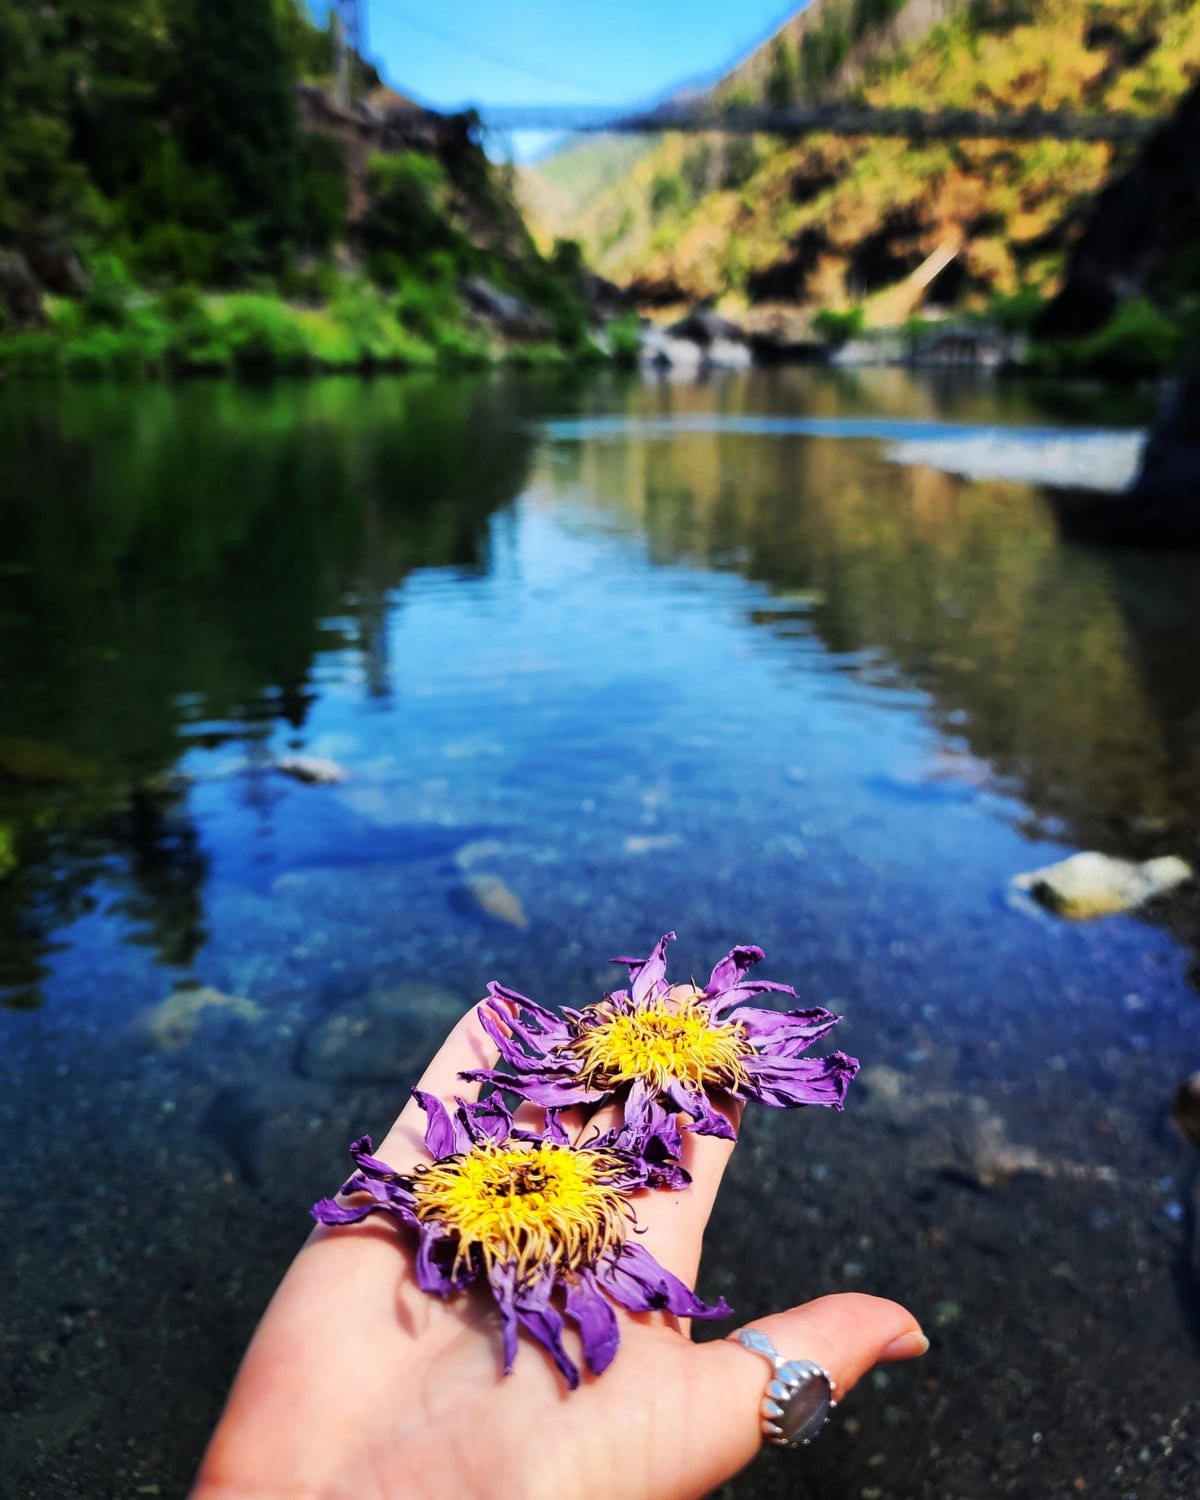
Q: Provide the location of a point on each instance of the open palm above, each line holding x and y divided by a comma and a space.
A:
358, 1386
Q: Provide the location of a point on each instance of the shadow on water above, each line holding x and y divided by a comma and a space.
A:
174, 564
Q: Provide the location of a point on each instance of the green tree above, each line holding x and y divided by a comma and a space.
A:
237, 119
783, 74
40, 186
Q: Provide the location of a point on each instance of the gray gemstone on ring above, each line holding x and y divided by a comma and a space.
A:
805, 1410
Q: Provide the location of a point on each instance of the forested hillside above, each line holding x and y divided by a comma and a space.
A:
177, 192
831, 222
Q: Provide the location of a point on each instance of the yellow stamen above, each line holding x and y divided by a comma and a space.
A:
671, 1038
532, 1204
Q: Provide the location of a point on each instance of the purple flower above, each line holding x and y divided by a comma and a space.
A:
662, 1047
531, 1214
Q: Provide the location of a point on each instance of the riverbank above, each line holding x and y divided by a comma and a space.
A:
345, 324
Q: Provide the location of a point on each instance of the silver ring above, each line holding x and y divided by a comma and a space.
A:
799, 1395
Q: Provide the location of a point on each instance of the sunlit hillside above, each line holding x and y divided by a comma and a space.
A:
833, 222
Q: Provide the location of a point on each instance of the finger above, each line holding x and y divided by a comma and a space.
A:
467, 1046
847, 1334
675, 1222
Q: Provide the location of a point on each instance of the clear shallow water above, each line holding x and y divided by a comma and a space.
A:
595, 661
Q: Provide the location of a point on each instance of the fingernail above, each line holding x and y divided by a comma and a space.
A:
907, 1346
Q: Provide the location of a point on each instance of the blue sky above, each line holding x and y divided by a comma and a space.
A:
553, 51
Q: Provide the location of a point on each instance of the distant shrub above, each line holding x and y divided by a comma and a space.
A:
1016, 312
408, 214
430, 309
1137, 341
782, 74
263, 336
870, 15
666, 193
1000, 15
696, 168
462, 351
838, 328
567, 259
625, 339
740, 162
323, 189
823, 50
109, 293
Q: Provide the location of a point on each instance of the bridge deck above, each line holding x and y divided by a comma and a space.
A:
811, 119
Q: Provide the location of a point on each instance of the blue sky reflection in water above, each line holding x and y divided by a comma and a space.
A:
754, 684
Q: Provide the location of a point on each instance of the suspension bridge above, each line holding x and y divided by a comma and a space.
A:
703, 114
806, 119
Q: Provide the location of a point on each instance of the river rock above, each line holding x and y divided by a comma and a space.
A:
311, 770
20, 292
386, 1036
489, 896
1096, 885
661, 352
703, 326
509, 314
171, 1025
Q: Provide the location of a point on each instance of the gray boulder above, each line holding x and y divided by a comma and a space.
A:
509, 314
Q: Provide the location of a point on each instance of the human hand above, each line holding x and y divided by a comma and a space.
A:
359, 1386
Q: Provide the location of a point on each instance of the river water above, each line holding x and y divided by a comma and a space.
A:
592, 659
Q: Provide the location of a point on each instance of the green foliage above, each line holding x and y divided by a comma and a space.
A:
1137, 341
308, 50
1000, 15
409, 212
838, 328
40, 186
666, 194
625, 340
323, 190
234, 97
739, 163
871, 15
107, 301
782, 75
1016, 312
823, 50
696, 170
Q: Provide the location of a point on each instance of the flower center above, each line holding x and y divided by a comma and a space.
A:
672, 1038
532, 1204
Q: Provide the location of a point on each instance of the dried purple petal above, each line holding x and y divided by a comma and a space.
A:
666, 1047
530, 1214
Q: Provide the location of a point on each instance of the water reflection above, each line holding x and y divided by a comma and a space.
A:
1070, 671
174, 565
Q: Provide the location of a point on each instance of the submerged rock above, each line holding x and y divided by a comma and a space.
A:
1096, 885
311, 770
171, 1025
34, 760
387, 1035
489, 896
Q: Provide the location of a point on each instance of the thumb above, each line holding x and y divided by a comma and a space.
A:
847, 1334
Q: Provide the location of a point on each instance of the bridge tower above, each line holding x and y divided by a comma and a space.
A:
348, 18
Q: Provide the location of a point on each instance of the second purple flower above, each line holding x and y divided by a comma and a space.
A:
662, 1047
